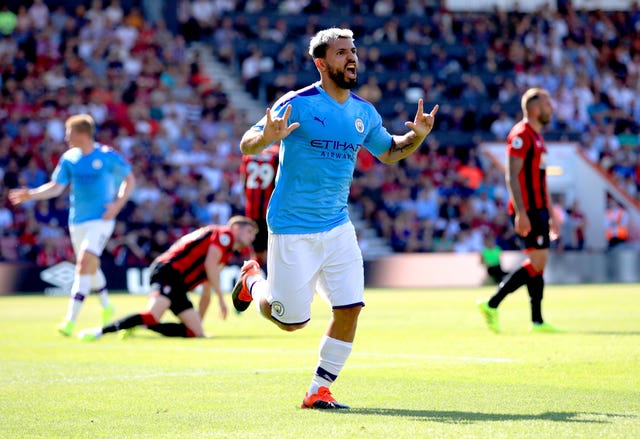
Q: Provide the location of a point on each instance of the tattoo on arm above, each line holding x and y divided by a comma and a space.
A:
399, 148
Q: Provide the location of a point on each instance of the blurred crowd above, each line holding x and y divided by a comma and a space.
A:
153, 100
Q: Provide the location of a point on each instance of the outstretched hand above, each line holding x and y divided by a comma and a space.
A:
423, 122
19, 195
276, 129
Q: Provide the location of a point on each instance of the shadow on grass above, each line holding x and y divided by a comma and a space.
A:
458, 417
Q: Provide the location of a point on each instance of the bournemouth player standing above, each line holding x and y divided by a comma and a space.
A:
259, 174
529, 207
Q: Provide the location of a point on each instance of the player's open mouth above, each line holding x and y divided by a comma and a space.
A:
351, 70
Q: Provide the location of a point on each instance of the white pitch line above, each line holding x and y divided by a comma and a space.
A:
270, 351
417, 361
92, 379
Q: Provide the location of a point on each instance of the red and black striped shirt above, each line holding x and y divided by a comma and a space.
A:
525, 143
259, 180
187, 255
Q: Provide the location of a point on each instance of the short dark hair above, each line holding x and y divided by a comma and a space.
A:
530, 96
242, 221
320, 41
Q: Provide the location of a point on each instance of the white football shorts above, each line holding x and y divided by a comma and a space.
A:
301, 264
91, 236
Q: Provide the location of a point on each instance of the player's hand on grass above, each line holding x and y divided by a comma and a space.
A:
223, 308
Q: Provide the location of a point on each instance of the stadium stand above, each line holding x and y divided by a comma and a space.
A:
142, 72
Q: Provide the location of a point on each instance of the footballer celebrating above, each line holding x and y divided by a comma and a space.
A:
312, 243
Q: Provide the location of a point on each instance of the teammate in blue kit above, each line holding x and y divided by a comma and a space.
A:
312, 242
101, 182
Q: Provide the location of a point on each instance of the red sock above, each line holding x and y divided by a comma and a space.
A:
148, 319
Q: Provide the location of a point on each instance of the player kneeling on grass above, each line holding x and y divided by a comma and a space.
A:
196, 258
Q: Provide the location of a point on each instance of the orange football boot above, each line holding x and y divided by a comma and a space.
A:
240, 294
321, 400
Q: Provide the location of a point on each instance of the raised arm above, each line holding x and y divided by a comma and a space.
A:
44, 192
404, 145
253, 141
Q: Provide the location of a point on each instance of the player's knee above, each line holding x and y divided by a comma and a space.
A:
538, 260
538, 265
265, 308
347, 314
290, 328
87, 263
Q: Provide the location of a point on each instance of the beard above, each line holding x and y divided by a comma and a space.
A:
338, 77
544, 119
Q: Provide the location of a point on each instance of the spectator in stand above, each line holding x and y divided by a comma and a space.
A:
9, 246
253, 67
371, 90
576, 231
616, 223
33, 176
8, 20
6, 216
501, 126
11, 175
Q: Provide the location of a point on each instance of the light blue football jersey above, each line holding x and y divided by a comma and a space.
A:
318, 158
94, 180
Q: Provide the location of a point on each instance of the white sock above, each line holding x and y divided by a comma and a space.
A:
333, 355
103, 296
99, 286
257, 286
79, 290
98, 281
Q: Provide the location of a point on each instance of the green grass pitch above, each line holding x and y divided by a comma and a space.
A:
423, 366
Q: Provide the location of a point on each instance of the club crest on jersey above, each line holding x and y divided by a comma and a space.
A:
359, 125
225, 239
278, 308
539, 239
517, 143
96, 164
